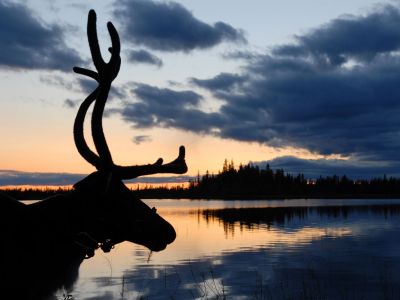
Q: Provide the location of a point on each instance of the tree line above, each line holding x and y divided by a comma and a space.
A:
253, 182
250, 181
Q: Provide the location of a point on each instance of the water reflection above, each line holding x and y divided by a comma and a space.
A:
252, 218
313, 252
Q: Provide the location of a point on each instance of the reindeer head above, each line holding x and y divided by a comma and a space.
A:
120, 215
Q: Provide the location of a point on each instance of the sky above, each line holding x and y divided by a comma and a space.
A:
308, 86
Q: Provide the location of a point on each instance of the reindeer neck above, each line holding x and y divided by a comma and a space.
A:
61, 206
71, 212
72, 221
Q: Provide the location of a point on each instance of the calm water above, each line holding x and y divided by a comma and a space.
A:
292, 249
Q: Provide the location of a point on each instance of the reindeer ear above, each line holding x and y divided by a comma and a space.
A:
91, 182
99, 184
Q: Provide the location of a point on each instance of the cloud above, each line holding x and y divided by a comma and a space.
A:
12, 177
71, 103
141, 139
82, 85
286, 99
57, 80
169, 26
223, 81
351, 37
314, 168
240, 55
28, 43
164, 107
143, 56
294, 102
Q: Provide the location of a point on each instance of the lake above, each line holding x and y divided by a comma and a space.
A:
288, 249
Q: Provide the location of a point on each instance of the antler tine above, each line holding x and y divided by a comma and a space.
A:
177, 166
115, 42
115, 60
92, 74
93, 41
107, 73
108, 70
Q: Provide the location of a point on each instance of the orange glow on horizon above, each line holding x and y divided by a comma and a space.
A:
132, 186
36, 187
56, 152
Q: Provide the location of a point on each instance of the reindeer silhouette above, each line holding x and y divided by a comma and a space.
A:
43, 244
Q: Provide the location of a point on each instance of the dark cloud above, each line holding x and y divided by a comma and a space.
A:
169, 26
11, 177
350, 37
294, 100
313, 168
223, 81
145, 57
166, 97
167, 108
27, 43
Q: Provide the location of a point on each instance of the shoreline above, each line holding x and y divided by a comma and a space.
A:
233, 198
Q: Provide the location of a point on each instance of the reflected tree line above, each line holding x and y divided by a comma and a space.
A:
252, 218
252, 182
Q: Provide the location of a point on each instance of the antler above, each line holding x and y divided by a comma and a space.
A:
79, 138
106, 73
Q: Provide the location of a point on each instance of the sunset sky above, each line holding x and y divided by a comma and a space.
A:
309, 86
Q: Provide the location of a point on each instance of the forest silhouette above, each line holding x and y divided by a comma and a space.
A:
253, 182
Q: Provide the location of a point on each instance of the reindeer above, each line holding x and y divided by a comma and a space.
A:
43, 244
